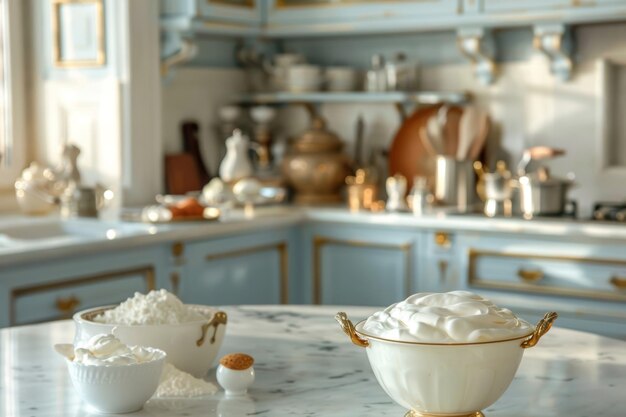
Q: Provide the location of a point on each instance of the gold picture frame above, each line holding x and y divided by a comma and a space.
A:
98, 58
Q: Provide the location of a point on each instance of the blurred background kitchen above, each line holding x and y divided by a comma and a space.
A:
314, 151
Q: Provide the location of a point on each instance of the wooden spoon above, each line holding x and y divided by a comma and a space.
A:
481, 138
451, 131
468, 130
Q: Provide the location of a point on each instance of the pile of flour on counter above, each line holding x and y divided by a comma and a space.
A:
176, 383
156, 307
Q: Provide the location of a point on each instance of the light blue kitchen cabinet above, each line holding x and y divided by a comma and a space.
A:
438, 265
490, 6
359, 265
55, 289
583, 280
248, 12
251, 268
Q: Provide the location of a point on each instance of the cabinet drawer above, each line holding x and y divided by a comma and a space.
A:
552, 274
60, 299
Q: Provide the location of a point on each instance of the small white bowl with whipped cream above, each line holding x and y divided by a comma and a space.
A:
445, 354
191, 335
112, 377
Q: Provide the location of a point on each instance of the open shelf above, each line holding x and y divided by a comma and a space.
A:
421, 97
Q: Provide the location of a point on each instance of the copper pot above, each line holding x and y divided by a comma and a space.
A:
317, 167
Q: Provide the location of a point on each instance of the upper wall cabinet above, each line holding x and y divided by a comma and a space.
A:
234, 17
346, 16
297, 18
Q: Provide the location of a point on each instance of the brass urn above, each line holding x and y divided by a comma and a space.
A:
316, 167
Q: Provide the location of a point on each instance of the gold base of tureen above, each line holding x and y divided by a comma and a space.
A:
414, 413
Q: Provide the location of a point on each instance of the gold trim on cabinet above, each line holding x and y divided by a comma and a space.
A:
281, 247
283, 4
320, 241
56, 36
175, 281
536, 287
248, 3
146, 271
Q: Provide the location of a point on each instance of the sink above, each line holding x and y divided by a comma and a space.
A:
73, 228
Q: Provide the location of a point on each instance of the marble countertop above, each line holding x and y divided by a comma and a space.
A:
305, 366
89, 235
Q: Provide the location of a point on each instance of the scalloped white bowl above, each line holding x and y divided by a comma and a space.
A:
117, 389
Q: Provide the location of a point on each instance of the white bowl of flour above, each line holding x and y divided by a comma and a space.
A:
191, 335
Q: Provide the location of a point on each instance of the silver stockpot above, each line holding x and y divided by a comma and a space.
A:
545, 197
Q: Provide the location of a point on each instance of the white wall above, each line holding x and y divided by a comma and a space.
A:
197, 93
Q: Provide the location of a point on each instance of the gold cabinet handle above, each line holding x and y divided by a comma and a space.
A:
443, 270
530, 276
618, 282
66, 306
442, 239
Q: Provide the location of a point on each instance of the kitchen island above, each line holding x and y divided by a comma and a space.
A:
306, 366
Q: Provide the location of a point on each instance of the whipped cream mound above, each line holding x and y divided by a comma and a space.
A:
452, 317
108, 350
176, 383
156, 307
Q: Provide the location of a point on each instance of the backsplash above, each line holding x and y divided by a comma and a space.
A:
527, 104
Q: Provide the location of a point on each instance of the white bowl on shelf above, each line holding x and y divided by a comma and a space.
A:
117, 389
191, 347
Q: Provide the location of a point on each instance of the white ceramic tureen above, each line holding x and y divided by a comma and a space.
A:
448, 354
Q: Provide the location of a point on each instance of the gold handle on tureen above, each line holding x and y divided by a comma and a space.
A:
540, 329
348, 328
219, 318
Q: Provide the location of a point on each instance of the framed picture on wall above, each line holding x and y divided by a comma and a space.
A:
78, 33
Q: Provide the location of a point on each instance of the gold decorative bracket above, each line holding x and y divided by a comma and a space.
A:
555, 42
471, 43
349, 329
541, 328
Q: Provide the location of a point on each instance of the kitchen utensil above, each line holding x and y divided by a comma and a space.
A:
117, 389
236, 164
498, 190
434, 379
190, 346
341, 78
407, 155
435, 132
181, 174
79, 201
537, 153
191, 132
479, 141
302, 78
317, 167
451, 130
362, 190
547, 197
401, 75
358, 141
454, 183
376, 76
428, 146
468, 130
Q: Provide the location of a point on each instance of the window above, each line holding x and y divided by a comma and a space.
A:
12, 137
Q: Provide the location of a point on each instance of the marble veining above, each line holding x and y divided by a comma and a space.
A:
306, 366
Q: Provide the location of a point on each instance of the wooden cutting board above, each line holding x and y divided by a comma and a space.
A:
407, 155
181, 173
